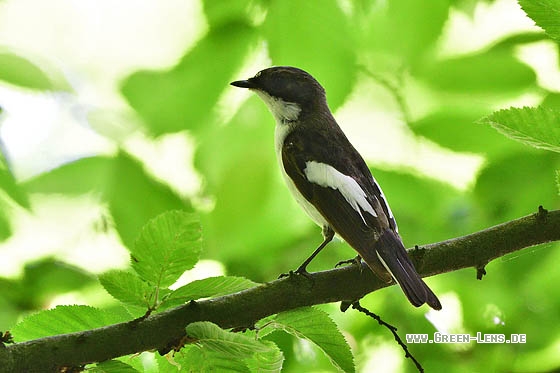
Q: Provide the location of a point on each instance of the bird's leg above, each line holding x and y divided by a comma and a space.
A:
328, 235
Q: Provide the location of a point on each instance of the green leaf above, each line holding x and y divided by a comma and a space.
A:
41, 281
186, 96
316, 326
270, 361
196, 359
47, 277
545, 14
128, 288
209, 287
167, 246
213, 287
9, 185
217, 350
63, 319
551, 100
516, 185
5, 221
213, 337
319, 41
20, 71
405, 28
538, 127
495, 71
458, 130
558, 180
133, 196
136, 197
514, 40
217, 14
84, 175
112, 366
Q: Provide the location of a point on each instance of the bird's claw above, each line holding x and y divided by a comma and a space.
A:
300, 271
289, 274
356, 260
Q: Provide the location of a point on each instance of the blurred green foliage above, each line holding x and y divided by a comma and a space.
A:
22, 71
133, 196
162, 98
257, 231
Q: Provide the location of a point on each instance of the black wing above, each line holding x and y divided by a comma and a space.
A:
334, 149
360, 230
375, 238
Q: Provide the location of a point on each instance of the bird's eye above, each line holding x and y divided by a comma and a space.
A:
258, 74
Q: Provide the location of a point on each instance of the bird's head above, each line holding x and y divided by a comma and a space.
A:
288, 92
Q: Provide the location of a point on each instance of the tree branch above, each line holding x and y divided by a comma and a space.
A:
163, 331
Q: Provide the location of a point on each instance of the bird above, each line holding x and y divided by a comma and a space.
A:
331, 181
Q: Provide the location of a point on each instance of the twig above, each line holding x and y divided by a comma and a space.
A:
407, 354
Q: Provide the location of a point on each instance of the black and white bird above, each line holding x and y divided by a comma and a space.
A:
331, 181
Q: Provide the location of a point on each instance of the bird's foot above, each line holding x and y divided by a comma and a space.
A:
354, 261
302, 270
289, 274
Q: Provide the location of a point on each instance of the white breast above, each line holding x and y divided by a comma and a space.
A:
281, 131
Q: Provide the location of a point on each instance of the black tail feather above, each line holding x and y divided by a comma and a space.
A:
392, 254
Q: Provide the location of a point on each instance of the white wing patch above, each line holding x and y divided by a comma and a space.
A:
327, 176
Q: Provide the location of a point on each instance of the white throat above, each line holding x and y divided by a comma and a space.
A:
283, 111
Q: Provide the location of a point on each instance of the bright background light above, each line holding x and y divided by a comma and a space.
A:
95, 44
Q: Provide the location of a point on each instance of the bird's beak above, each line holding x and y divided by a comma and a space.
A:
244, 84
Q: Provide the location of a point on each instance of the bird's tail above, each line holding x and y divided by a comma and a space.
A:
392, 254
